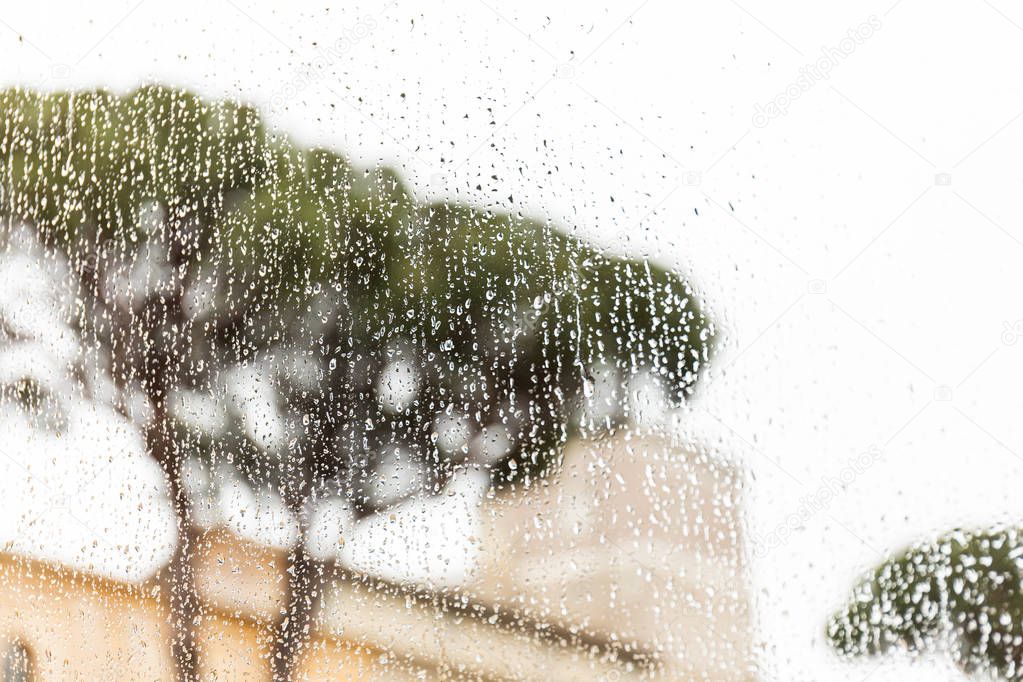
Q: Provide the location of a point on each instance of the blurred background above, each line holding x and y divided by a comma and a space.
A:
836, 185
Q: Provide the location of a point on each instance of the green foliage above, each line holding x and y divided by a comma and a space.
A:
963, 592
261, 251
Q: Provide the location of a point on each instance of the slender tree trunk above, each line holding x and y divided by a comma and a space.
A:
305, 579
182, 597
291, 635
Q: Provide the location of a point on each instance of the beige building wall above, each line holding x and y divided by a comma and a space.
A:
81, 627
78, 627
626, 565
637, 539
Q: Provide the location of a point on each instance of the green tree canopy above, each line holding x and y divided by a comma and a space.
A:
500, 313
962, 593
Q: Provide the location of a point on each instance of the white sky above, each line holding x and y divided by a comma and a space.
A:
851, 287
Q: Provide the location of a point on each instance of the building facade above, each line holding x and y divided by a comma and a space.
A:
628, 564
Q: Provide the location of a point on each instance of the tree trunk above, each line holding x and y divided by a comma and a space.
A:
291, 635
305, 579
182, 597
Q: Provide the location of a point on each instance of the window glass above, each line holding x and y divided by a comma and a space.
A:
522, 341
